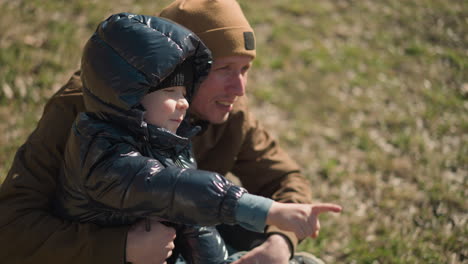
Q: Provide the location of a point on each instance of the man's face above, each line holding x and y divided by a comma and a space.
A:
220, 90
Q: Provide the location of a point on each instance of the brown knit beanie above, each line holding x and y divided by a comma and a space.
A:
220, 24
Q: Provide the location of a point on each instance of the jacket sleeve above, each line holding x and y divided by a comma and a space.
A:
118, 177
29, 233
265, 169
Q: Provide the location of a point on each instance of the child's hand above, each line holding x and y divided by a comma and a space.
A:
301, 219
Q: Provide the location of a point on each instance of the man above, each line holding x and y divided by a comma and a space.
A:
232, 141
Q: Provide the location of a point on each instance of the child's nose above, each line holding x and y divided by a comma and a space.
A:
182, 104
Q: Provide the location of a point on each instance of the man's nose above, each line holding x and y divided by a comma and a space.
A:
237, 85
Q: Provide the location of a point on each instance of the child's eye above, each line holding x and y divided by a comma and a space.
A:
169, 90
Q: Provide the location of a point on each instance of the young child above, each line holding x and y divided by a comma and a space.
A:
129, 157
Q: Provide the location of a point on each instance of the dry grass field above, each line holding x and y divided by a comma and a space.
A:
370, 97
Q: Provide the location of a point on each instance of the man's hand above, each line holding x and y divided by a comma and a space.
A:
275, 250
302, 219
149, 247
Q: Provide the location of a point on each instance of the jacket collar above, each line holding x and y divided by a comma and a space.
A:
163, 139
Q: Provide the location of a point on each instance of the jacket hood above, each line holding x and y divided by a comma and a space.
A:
128, 54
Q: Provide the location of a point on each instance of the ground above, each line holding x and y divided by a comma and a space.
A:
370, 97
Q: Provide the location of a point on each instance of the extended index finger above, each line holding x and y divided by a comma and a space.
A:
326, 207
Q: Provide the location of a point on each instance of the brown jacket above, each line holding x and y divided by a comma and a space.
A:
30, 234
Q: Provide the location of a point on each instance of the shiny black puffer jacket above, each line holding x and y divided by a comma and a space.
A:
118, 168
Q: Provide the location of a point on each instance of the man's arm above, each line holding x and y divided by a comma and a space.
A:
29, 233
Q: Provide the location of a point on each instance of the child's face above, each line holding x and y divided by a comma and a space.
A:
166, 107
